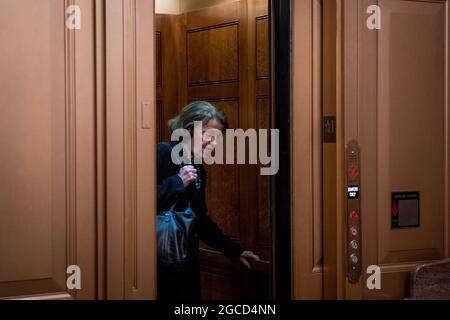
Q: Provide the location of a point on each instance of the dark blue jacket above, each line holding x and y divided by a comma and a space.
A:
184, 283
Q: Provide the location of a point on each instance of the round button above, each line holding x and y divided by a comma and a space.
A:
354, 215
354, 231
354, 244
354, 258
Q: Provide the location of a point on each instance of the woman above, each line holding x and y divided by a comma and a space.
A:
185, 185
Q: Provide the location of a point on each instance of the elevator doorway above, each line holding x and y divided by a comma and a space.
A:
219, 52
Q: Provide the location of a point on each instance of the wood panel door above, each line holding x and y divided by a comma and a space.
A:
395, 102
221, 54
308, 236
238, 197
47, 158
78, 171
129, 142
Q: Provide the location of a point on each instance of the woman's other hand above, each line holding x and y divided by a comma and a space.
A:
247, 257
188, 174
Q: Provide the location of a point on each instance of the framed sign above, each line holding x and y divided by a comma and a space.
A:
405, 210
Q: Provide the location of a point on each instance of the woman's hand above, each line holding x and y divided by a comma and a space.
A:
188, 174
247, 257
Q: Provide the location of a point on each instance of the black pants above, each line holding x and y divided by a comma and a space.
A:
179, 283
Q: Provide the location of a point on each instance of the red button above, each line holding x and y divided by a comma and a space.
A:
353, 172
354, 215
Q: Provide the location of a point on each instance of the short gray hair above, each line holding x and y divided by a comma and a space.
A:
197, 111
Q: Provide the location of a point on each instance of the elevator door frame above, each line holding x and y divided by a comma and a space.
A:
295, 275
281, 99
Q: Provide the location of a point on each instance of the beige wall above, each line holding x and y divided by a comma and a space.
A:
167, 6
191, 5
181, 6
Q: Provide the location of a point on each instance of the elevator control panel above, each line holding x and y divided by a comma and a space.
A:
353, 213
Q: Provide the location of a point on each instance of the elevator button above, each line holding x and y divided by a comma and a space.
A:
353, 215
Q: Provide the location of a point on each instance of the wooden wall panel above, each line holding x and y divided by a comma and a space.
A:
403, 146
218, 78
215, 77
143, 286
192, 5
48, 164
224, 289
214, 16
171, 65
214, 91
212, 54
262, 47
224, 206
409, 136
131, 166
28, 139
308, 258
80, 182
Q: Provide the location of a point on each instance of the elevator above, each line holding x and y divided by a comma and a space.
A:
365, 114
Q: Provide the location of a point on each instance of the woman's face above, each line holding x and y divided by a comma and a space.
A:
209, 135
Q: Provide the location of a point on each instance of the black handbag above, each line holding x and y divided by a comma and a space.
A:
173, 230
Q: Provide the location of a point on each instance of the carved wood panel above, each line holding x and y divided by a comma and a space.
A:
405, 149
73, 149
48, 209
262, 47
223, 182
213, 54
